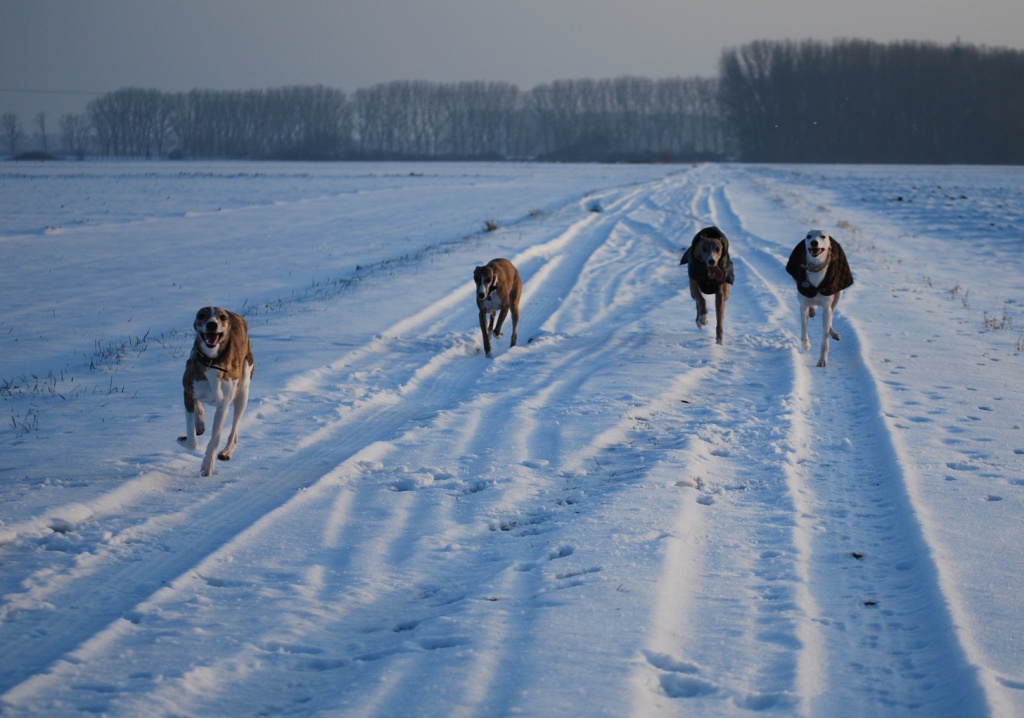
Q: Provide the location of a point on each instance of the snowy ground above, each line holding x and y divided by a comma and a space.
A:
616, 517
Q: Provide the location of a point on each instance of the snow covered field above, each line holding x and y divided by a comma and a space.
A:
616, 517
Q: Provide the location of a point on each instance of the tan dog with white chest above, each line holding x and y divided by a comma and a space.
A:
498, 289
218, 372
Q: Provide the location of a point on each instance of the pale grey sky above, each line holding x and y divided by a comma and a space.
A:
54, 52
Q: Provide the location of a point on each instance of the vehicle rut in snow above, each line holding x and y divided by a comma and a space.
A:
414, 514
828, 583
408, 377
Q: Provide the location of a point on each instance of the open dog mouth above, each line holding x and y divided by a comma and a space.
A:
816, 251
211, 339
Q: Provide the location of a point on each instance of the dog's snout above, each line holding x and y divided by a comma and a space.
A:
211, 326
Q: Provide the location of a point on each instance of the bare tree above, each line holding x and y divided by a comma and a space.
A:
40, 122
861, 101
75, 131
13, 134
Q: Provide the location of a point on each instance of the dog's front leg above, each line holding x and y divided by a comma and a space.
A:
831, 314
219, 419
826, 330
721, 297
806, 312
702, 307
485, 331
194, 424
238, 409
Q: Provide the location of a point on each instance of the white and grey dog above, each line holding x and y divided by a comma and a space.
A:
819, 266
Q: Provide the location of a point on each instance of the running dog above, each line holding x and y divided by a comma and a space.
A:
711, 272
819, 266
218, 371
498, 289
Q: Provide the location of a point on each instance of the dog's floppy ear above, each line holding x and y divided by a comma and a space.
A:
797, 259
842, 274
726, 258
686, 256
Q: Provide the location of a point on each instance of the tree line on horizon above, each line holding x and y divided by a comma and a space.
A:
851, 101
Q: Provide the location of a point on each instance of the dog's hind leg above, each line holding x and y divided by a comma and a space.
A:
501, 321
238, 405
515, 325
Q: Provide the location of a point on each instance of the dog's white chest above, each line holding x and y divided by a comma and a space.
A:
216, 388
493, 301
815, 278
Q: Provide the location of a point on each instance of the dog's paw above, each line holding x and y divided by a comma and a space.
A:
702, 321
224, 456
834, 334
200, 427
812, 312
822, 362
806, 345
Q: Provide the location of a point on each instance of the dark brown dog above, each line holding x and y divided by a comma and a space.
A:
498, 289
710, 270
218, 371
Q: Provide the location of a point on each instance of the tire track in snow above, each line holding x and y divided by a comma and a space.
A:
350, 531
842, 597
428, 387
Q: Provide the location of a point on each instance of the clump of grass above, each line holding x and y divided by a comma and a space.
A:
117, 351
27, 423
964, 295
1003, 323
491, 225
34, 385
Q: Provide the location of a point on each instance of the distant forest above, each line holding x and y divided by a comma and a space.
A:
848, 101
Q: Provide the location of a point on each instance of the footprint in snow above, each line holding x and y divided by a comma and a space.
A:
561, 552
679, 679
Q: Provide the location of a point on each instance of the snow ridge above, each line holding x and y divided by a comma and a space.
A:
616, 517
